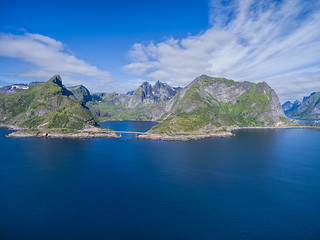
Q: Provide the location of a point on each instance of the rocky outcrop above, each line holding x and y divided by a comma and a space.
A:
81, 93
308, 109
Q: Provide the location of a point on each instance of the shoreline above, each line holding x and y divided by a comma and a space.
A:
278, 127
20, 132
185, 138
228, 133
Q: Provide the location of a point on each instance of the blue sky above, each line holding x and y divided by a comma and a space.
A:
116, 45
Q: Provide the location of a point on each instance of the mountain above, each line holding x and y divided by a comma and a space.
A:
208, 103
14, 88
45, 105
144, 103
308, 109
147, 93
81, 93
289, 107
105, 106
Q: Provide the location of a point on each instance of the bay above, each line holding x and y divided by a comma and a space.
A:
259, 184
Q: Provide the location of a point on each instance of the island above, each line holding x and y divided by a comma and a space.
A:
207, 107
48, 109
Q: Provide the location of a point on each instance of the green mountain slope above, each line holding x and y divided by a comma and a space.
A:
46, 105
209, 103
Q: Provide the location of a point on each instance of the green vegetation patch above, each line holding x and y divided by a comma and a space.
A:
33, 122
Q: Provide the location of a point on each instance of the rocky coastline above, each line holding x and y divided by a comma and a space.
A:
228, 133
184, 137
52, 133
23, 134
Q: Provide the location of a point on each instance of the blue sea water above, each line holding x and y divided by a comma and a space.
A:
259, 184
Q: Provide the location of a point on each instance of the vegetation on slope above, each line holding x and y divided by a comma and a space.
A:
114, 106
207, 113
46, 105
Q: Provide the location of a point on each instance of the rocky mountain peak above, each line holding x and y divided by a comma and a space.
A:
289, 107
56, 79
158, 85
81, 93
309, 108
159, 92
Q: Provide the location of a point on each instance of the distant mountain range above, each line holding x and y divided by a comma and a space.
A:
14, 88
206, 104
309, 108
138, 104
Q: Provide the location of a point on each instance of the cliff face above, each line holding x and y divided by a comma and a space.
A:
308, 109
46, 105
208, 103
147, 93
81, 93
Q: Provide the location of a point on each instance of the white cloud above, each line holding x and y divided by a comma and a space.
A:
47, 57
277, 42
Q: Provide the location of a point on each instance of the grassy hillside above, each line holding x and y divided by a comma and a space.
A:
212, 103
46, 105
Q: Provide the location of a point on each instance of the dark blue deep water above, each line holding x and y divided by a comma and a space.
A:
259, 184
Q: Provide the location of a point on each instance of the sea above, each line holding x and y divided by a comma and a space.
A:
258, 184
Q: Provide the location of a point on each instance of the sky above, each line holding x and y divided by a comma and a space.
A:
116, 45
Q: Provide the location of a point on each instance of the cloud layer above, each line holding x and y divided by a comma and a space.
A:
47, 57
273, 41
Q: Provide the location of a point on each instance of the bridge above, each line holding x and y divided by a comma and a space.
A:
125, 132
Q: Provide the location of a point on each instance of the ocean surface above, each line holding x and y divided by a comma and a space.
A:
259, 184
